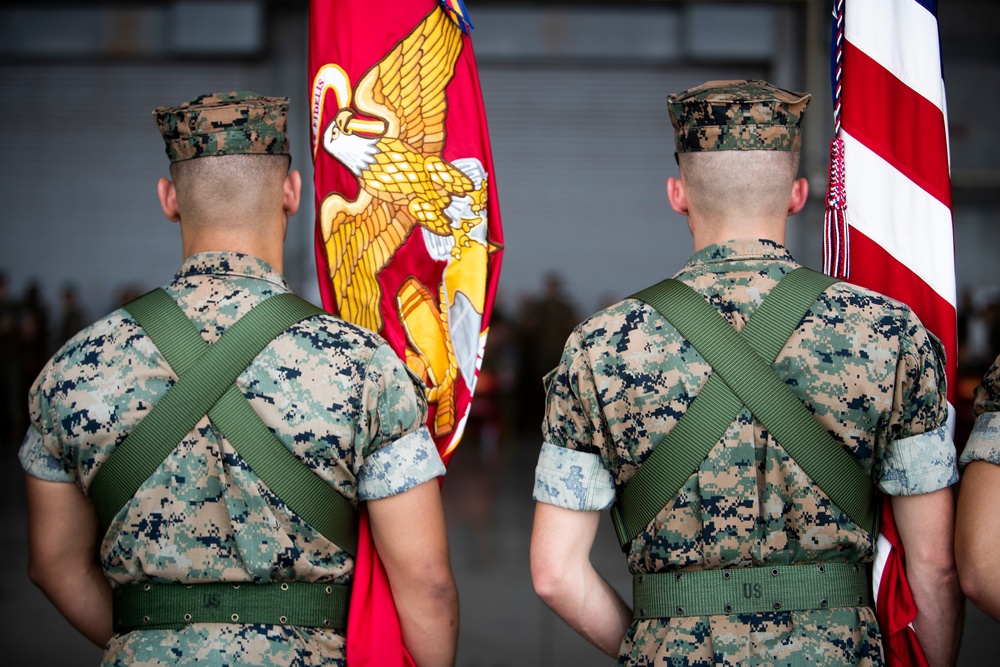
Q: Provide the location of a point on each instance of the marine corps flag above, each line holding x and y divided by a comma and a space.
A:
408, 232
889, 225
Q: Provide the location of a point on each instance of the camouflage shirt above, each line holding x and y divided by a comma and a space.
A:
335, 394
871, 375
984, 441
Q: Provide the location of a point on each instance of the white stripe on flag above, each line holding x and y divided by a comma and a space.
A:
901, 36
882, 549
900, 216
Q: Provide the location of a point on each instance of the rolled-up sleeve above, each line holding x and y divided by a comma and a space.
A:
920, 454
402, 465
919, 464
395, 449
42, 454
571, 470
984, 442
38, 460
573, 479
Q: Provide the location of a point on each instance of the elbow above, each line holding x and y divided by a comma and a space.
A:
441, 586
973, 587
433, 582
548, 578
975, 575
40, 572
936, 569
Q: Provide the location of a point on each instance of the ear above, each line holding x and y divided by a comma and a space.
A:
291, 192
800, 193
677, 195
167, 193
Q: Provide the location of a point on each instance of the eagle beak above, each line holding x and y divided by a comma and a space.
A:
343, 120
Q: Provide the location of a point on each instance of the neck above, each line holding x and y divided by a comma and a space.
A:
268, 246
709, 232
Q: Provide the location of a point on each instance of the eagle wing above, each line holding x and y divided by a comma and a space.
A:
360, 238
407, 88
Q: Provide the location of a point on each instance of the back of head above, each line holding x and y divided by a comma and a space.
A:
737, 147
242, 191
729, 184
228, 157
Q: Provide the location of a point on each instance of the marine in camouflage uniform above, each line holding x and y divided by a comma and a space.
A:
977, 531
984, 442
334, 394
862, 363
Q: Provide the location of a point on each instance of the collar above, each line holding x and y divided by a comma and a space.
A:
740, 250
220, 263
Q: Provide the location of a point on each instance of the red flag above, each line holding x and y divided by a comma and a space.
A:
408, 237
890, 170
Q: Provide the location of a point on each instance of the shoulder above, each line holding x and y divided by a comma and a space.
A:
861, 307
614, 324
107, 357
324, 333
100, 343
329, 347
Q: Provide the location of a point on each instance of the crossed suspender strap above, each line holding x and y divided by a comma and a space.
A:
742, 375
206, 375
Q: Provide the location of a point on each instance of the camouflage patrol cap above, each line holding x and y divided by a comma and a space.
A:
737, 116
224, 124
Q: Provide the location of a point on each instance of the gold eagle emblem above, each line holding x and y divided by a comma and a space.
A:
390, 134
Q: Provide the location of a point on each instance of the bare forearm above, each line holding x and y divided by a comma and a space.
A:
977, 535
63, 540
409, 533
82, 595
428, 616
941, 612
926, 524
566, 581
591, 607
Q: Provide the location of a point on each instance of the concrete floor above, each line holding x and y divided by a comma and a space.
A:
489, 511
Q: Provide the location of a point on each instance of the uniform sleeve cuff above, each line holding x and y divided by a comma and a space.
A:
920, 464
400, 466
38, 462
984, 442
572, 479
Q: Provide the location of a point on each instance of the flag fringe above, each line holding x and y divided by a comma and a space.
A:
836, 238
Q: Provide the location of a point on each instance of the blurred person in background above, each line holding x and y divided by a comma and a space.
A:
72, 315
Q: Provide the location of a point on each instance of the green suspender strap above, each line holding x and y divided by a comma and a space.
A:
206, 376
742, 376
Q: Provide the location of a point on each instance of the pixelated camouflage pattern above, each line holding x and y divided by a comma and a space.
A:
869, 372
224, 124
572, 479
335, 394
984, 441
988, 391
737, 116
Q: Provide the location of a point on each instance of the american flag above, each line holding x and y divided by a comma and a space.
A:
897, 236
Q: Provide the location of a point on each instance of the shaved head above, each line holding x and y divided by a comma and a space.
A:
732, 185
230, 191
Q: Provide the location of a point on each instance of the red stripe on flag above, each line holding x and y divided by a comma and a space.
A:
897, 123
876, 269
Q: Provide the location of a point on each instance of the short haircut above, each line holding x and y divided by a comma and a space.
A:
229, 189
732, 184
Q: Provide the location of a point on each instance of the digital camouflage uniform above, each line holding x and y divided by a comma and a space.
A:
984, 441
863, 364
334, 394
